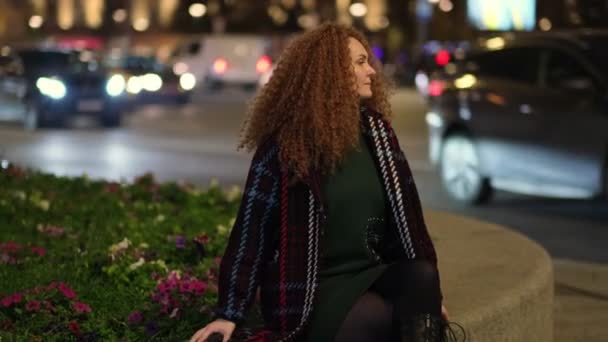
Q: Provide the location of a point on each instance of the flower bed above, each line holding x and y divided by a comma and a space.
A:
89, 260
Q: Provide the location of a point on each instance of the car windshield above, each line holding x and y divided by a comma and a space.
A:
142, 64
598, 53
56, 61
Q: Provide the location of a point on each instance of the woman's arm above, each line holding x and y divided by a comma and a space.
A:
249, 239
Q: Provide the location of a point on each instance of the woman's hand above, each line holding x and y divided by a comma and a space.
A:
221, 326
444, 313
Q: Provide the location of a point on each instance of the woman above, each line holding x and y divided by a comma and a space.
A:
330, 228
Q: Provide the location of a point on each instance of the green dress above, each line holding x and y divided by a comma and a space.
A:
355, 203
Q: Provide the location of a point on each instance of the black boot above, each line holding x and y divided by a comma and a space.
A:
428, 328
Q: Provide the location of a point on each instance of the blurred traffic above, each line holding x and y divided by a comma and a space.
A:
524, 112
42, 87
516, 92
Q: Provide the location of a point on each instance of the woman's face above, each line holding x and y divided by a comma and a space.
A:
363, 71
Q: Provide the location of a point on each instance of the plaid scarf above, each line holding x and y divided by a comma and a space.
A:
274, 244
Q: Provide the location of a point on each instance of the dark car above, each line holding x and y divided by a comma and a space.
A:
151, 82
43, 87
524, 113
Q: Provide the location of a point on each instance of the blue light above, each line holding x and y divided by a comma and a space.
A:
378, 52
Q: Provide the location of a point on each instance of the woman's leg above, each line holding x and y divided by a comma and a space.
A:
416, 283
413, 287
369, 320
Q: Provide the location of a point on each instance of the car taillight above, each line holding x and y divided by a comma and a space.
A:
442, 57
436, 88
220, 65
263, 64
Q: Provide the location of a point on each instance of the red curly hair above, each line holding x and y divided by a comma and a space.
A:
310, 105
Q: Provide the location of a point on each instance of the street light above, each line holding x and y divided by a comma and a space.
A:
446, 5
141, 24
36, 21
544, 24
120, 15
358, 9
197, 10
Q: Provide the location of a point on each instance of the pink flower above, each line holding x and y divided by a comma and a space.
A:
32, 305
74, 327
81, 307
15, 298
10, 246
66, 291
135, 318
7, 301
184, 287
198, 287
164, 287
202, 239
112, 187
38, 250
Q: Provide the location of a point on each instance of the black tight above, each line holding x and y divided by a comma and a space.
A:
370, 319
405, 288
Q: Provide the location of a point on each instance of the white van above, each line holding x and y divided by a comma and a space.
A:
218, 60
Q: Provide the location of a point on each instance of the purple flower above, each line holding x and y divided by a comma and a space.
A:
135, 318
151, 328
184, 287
180, 242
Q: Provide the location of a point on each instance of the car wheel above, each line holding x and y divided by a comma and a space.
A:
460, 171
31, 119
111, 119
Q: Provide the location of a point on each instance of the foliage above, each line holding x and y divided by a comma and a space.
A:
138, 261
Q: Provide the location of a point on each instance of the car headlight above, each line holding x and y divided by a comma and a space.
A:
152, 82
134, 85
187, 81
116, 85
51, 87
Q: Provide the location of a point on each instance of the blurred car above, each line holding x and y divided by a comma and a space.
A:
43, 87
434, 57
524, 113
225, 60
265, 76
150, 81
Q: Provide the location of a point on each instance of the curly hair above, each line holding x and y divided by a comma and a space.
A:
310, 105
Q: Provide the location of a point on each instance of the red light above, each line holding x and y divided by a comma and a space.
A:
220, 66
442, 57
263, 64
435, 88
